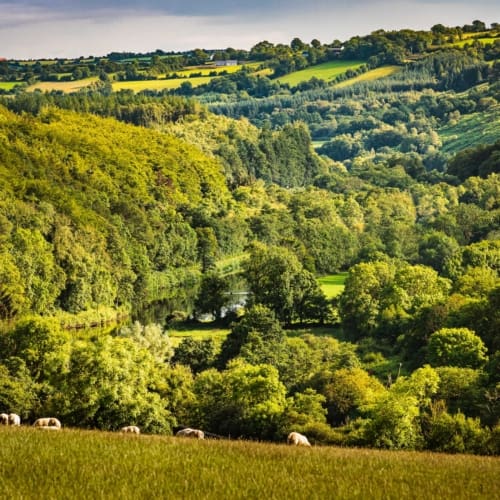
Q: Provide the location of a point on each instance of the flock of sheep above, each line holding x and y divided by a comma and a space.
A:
293, 438
49, 423
52, 423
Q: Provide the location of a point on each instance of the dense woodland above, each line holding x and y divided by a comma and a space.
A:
111, 203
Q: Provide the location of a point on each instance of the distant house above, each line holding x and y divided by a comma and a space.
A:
2, 59
228, 62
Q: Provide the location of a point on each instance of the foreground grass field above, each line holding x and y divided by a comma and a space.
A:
89, 464
326, 71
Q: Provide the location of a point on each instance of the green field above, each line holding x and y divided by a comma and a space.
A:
373, 74
104, 465
333, 284
470, 130
199, 331
326, 71
9, 85
469, 41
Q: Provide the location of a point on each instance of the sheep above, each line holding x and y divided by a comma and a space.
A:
191, 433
14, 419
48, 428
297, 439
133, 429
47, 422
4, 419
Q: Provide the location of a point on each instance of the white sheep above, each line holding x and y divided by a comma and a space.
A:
133, 429
297, 439
14, 419
47, 422
192, 433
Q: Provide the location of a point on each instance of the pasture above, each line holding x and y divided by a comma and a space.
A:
373, 74
333, 284
9, 85
327, 71
489, 40
81, 464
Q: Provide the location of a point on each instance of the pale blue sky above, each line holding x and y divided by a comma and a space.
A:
72, 28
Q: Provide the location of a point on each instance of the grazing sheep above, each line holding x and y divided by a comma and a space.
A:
191, 433
133, 429
47, 422
14, 419
297, 439
4, 419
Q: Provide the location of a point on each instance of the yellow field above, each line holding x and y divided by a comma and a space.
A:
173, 83
64, 86
373, 74
206, 70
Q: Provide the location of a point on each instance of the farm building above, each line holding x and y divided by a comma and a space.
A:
228, 62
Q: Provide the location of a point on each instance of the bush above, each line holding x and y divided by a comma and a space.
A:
457, 434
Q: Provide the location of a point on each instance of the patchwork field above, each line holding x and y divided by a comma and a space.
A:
90, 464
326, 71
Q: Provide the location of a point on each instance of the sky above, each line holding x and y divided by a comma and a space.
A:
35, 29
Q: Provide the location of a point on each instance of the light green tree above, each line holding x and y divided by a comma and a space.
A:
244, 400
456, 347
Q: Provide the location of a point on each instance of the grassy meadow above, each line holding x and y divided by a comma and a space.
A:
333, 284
487, 40
326, 71
8, 85
199, 331
89, 464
